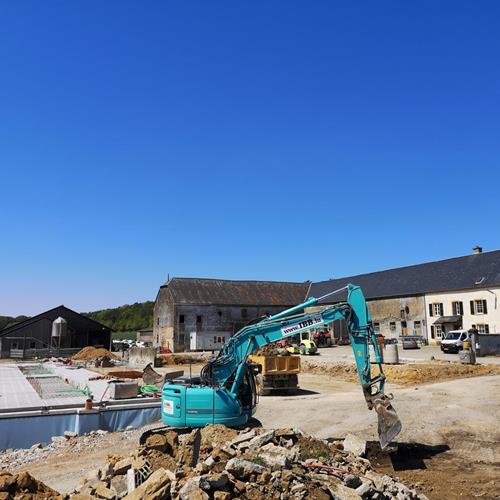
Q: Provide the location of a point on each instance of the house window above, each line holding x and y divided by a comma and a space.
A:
417, 327
199, 320
244, 313
158, 321
478, 307
483, 328
392, 326
437, 309
181, 319
219, 313
458, 308
402, 314
376, 327
438, 330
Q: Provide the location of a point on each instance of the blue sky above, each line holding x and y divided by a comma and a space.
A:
245, 140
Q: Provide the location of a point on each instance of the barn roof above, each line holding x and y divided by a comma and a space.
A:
232, 292
480, 270
59, 310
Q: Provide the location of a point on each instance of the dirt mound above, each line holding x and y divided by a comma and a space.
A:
177, 359
414, 373
24, 486
436, 371
341, 371
216, 462
90, 353
126, 374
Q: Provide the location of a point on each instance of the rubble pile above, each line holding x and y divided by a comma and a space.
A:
219, 463
271, 350
24, 486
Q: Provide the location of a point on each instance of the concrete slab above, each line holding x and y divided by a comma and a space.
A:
15, 390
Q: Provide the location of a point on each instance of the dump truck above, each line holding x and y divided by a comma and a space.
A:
276, 372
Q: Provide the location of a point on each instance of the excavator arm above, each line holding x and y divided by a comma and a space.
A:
229, 368
227, 394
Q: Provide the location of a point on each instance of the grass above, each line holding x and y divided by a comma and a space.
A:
259, 461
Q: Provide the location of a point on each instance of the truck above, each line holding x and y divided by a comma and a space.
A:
454, 341
276, 372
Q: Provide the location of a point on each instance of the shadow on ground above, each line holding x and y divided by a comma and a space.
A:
404, 456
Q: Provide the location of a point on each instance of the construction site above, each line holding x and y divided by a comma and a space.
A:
250, 250
283, 419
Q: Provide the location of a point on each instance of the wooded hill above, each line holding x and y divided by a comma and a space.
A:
6, 321
125, 318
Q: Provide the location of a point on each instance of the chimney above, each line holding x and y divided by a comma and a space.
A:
477, 249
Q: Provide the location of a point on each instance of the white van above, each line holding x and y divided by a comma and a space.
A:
454, 340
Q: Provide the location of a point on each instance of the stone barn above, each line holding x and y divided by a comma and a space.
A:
215, 307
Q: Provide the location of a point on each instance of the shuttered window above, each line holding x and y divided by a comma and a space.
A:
478, 307
436, 309
458, 308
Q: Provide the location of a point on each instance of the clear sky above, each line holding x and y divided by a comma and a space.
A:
248, 140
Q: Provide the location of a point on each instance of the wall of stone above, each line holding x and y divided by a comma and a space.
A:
392, 314
214, 318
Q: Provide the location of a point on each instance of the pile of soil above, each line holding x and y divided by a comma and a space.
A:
126, 374
219, 463
91, 353
271, 350
24, 486
177, 359
414, 373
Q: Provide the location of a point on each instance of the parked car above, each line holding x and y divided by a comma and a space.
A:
409, 343
454, 341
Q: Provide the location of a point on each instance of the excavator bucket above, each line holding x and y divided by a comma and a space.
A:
389, 425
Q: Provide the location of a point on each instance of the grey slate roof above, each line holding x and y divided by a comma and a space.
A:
230, 292
471, 271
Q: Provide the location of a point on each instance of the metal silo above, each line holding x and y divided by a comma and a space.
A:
59, 327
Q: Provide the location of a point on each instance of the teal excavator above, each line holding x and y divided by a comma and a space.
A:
225, 393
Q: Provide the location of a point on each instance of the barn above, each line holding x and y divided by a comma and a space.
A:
57, 332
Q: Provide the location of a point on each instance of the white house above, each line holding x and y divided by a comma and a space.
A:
463, 309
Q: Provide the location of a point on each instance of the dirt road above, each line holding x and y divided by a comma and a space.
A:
451, 436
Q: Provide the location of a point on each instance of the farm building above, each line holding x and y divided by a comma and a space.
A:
428, 300
57, 332
216, 308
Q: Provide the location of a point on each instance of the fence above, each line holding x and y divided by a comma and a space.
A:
46, 352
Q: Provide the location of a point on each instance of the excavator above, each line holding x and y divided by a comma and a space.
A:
225, 393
